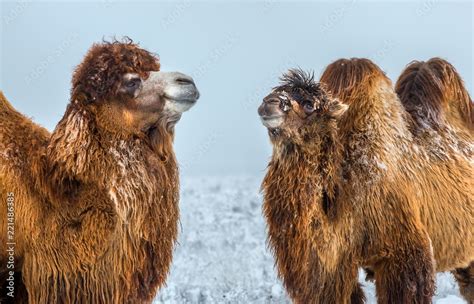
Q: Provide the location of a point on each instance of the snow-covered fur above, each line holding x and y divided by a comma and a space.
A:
348, 187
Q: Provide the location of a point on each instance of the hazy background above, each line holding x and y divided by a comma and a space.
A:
235, 51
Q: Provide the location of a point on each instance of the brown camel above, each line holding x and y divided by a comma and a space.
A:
95, 203
349, 187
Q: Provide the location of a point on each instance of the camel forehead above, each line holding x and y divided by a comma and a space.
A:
284, 95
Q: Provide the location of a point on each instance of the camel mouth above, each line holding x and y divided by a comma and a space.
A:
177, 106
182, 94
271, 115
272, 121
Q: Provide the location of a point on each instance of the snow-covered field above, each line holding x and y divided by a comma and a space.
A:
222, 255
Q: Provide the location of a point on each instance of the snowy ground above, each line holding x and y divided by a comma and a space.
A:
222, 256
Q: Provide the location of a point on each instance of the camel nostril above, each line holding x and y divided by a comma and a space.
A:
184, 81
273, 100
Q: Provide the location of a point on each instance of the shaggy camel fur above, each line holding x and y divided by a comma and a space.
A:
443, 115
348, 187
96, 201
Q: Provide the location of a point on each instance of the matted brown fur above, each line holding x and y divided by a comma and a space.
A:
434, 94
97, 77
96, 206
397, 211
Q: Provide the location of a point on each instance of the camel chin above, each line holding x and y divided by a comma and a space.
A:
173, 110
178, 106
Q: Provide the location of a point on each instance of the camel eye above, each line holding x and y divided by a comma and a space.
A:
133, 83
308, 107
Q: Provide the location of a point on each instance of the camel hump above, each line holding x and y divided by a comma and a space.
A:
9, 118
8, 114
18, 131
5, 105
355, 79
434, 94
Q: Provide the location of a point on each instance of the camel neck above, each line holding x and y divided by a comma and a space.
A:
80, 152
316, 166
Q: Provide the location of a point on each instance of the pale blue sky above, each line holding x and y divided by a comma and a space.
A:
235, 51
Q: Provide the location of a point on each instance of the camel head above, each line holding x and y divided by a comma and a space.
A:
122, 85
298, 108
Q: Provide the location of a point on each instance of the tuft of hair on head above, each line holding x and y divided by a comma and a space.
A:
123, 40
349, 79
298, 79
99, 74
433, 91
